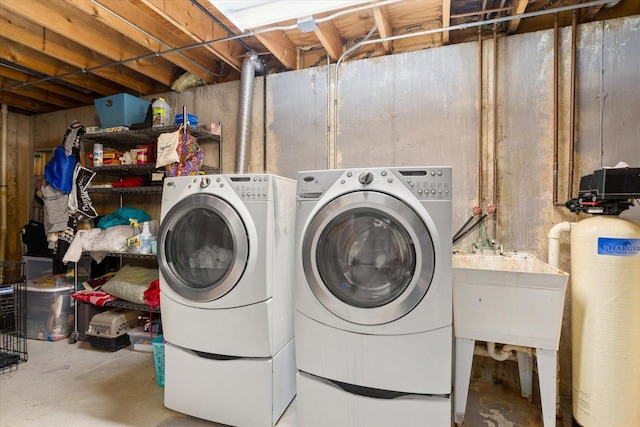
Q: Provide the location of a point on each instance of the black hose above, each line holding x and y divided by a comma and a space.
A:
463, 226
468, 230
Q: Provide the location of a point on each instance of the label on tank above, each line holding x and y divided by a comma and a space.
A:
618, 246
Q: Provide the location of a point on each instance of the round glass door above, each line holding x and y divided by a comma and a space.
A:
368, 257
202, 248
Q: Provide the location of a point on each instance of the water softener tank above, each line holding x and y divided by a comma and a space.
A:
605, 316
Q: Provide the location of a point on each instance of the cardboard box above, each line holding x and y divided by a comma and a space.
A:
121, 110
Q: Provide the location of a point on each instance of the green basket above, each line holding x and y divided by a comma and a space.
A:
158, 356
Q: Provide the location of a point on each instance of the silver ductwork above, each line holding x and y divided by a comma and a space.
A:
251, 65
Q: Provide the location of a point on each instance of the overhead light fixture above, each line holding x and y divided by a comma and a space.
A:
249, 14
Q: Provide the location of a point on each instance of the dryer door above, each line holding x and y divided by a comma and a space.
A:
368, 257
202, 247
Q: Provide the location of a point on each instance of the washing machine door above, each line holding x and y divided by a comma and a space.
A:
368, 257
202, 247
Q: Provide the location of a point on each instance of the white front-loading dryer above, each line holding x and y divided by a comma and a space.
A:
225, 247
373, 292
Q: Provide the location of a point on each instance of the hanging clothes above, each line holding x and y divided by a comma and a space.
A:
60, 226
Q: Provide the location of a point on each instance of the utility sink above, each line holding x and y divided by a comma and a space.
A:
511, 299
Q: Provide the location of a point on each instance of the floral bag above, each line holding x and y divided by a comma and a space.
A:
190, 154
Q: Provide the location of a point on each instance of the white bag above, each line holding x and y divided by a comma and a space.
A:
168, 148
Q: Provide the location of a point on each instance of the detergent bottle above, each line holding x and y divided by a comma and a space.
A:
133, 242
145, 239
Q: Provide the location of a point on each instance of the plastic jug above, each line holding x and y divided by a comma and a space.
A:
133, 242
145, 239
161, 112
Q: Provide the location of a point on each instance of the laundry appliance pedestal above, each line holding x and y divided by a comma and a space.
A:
236, 391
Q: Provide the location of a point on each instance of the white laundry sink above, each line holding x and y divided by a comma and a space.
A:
513, 299
510, 299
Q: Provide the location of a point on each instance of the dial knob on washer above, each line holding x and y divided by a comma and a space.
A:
365, 178
205, 182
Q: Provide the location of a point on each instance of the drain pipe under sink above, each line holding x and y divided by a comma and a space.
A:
506, 351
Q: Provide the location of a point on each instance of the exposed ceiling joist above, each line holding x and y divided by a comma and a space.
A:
192, 21
519, 9
58, 54
80, 28
385, 27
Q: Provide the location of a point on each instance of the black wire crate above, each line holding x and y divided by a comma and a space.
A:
13, 316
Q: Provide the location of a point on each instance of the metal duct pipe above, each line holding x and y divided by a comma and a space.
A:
250, 66
3, 184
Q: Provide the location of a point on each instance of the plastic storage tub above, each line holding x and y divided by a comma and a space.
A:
50, 310
141, 340
40, 267
121, 110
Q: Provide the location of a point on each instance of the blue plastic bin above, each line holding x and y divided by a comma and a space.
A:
121, 110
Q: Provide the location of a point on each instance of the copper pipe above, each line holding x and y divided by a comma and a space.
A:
480, 151
572, 108
495, 117
555, 111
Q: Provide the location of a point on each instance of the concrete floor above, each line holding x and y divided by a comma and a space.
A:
65, 384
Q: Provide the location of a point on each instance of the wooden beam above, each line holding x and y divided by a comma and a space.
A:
46, 65
520, 7
57, 16
197, 25
381, 14
587, 14
41, 95
280, 46
134, 23
21, 77
330, 38
34, 36
19, 101
446, 20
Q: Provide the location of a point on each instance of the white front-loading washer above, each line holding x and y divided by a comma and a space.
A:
225, 250
373, 296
